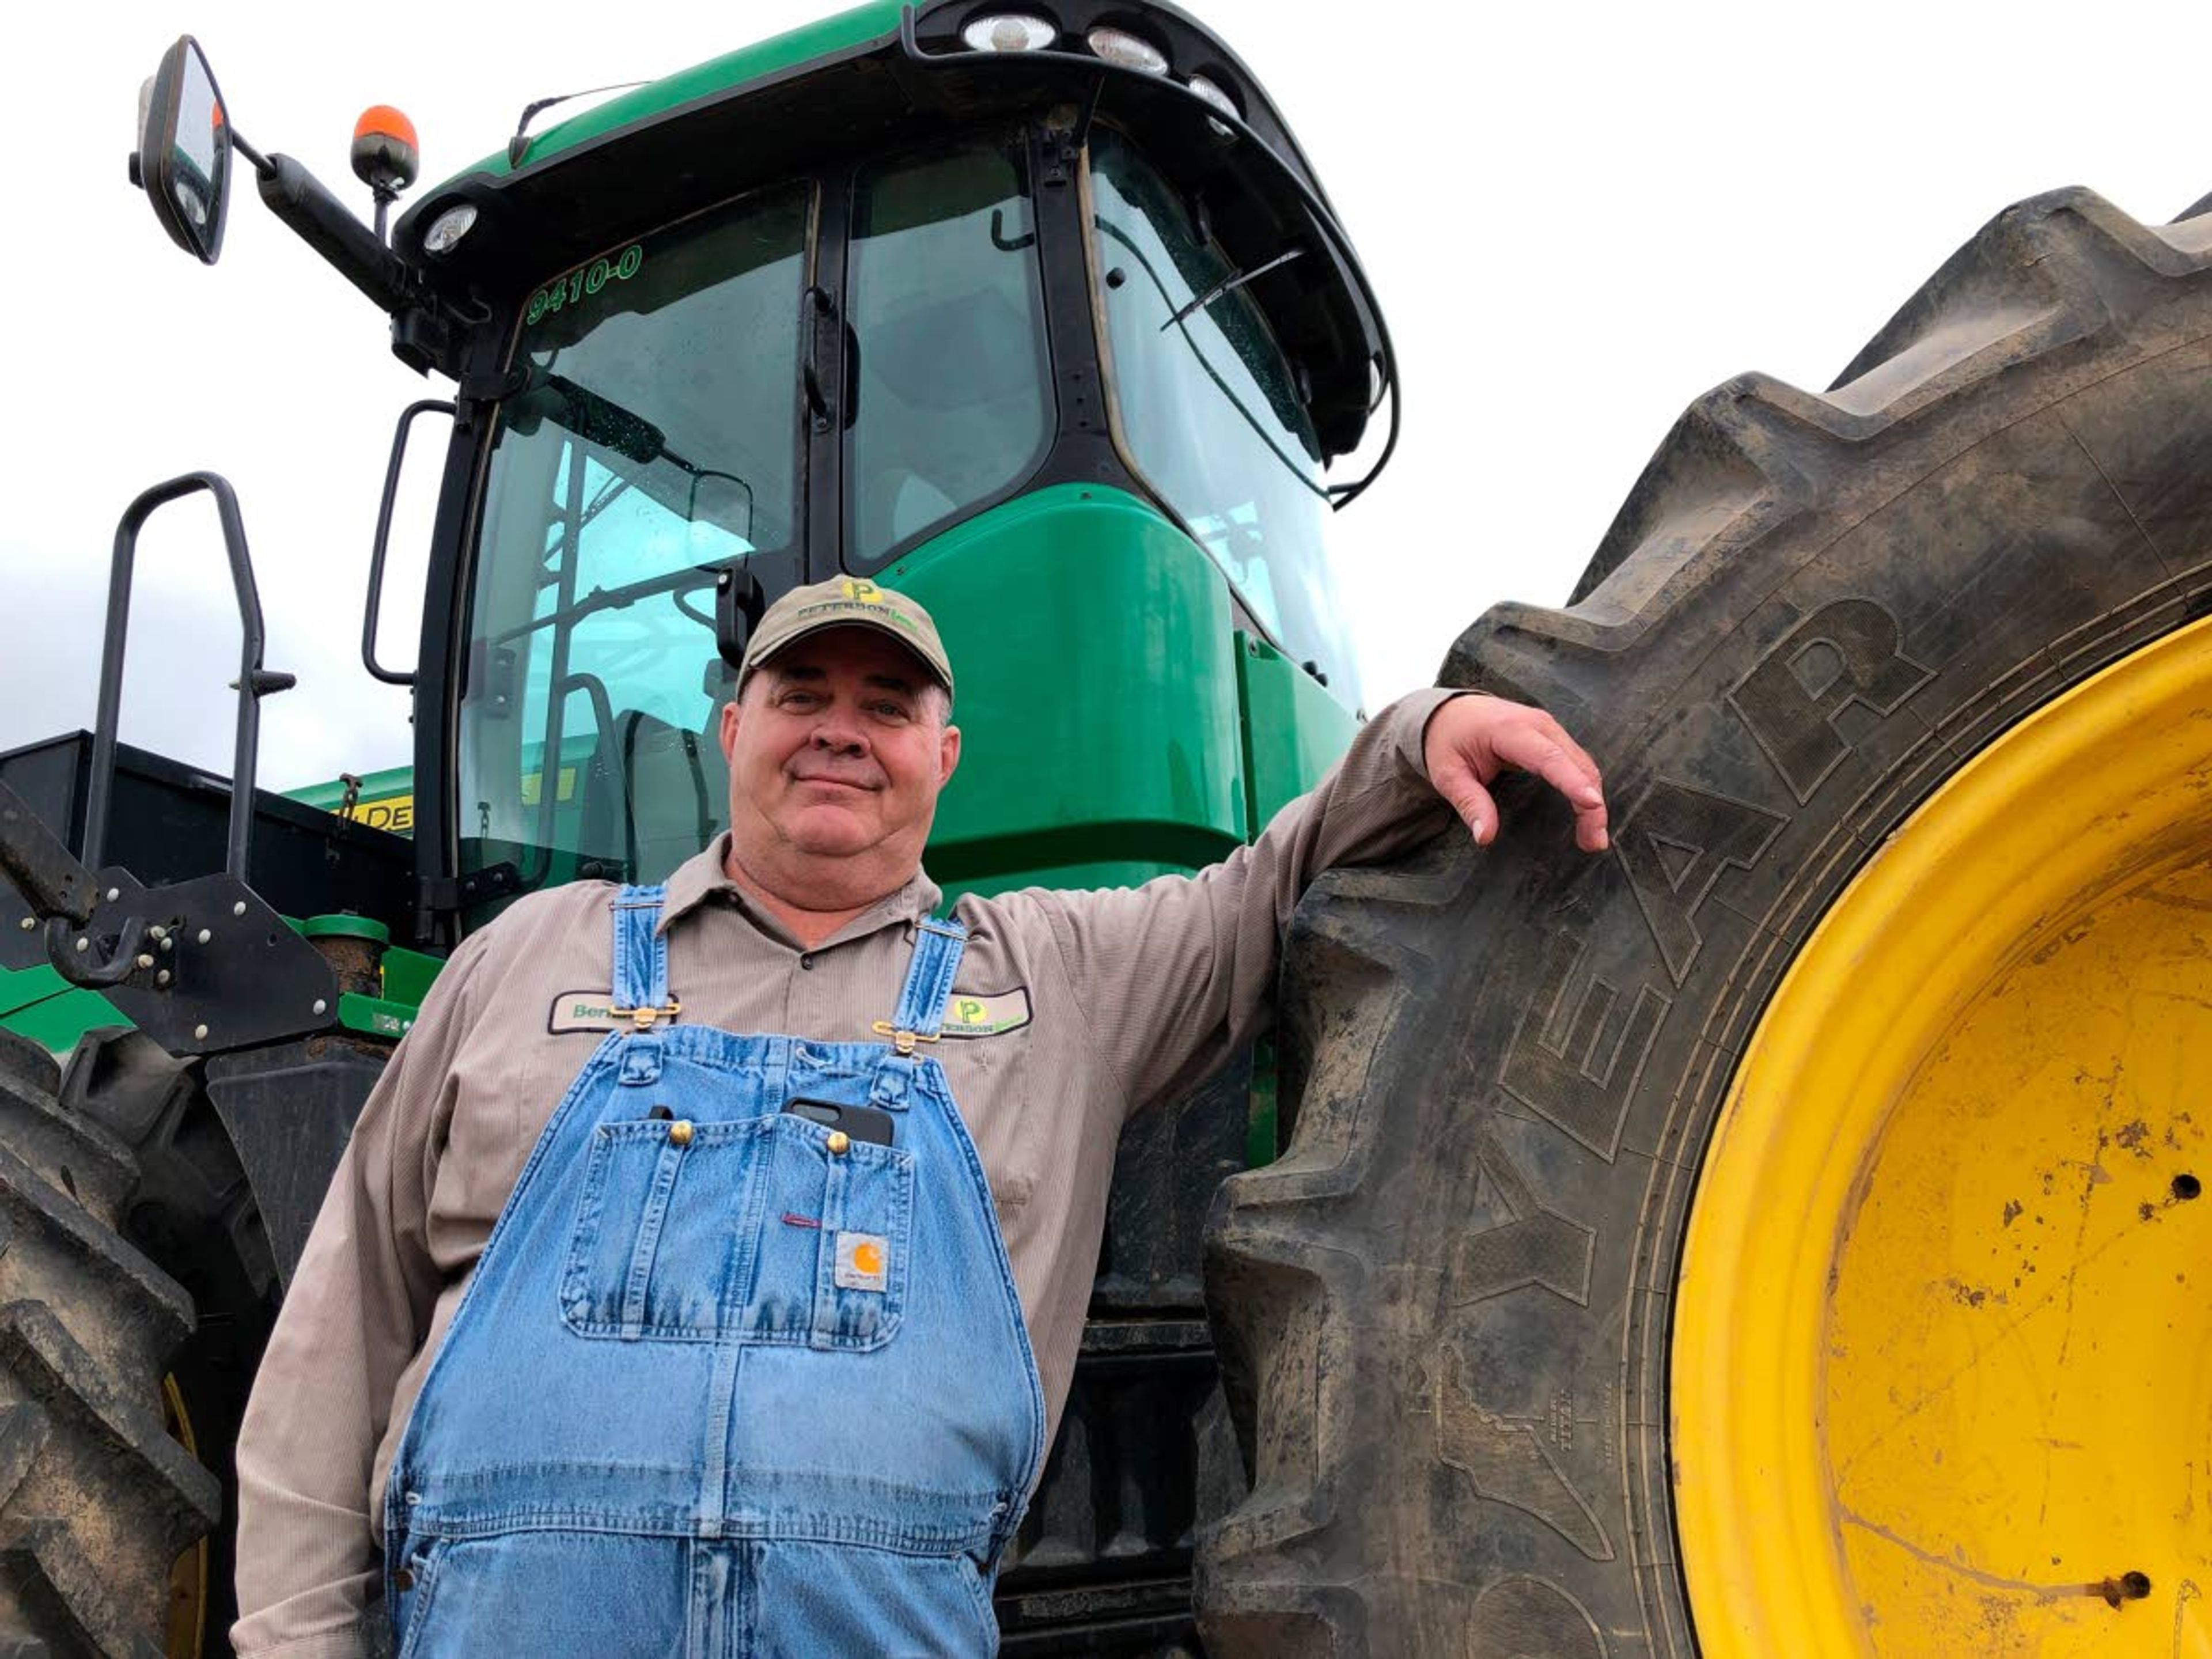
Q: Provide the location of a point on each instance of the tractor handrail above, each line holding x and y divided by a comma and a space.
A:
253, 683
376, 669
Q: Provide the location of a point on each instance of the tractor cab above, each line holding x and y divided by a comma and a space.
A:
1037, 314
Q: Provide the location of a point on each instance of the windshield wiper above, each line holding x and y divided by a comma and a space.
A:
599, 420
578, 410
681, 580
1230, 284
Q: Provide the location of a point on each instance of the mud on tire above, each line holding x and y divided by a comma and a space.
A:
1444, 1313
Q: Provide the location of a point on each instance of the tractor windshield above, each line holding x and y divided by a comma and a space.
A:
652, 442
1209, 406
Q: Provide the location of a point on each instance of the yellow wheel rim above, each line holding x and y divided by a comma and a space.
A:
1942, 1351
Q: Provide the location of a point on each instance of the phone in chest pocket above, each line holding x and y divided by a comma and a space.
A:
861, 1122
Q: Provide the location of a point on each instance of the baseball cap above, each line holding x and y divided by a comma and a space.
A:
847, 602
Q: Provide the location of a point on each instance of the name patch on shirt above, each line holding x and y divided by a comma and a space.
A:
582, 1010
967, 1015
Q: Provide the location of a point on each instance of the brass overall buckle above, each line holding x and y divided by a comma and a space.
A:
644, 1017
903, 1042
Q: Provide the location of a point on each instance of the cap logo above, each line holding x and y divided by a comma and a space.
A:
840, 600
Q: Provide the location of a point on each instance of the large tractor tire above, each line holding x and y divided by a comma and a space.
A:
1775, 1237
97, 1501
193, 1213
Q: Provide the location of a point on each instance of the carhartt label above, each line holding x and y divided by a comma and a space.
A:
582, 1010
863, 1261
971, 1016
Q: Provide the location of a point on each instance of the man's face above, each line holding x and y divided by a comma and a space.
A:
838, 751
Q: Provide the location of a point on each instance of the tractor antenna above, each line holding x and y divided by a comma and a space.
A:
519, 146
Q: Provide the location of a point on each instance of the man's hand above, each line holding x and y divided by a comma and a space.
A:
1470, 740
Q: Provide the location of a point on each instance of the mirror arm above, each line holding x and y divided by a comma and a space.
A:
299, 198
260, 162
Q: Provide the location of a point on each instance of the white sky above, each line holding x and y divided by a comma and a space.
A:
1578, 218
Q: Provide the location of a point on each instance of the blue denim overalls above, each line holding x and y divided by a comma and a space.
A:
725, 1381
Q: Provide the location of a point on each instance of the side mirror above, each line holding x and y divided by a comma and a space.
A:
183, 160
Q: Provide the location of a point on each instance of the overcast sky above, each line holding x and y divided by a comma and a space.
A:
1577, 219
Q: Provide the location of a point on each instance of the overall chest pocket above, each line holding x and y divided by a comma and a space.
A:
752, 1230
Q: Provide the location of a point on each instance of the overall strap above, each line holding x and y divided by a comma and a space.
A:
921, 1013
640, 980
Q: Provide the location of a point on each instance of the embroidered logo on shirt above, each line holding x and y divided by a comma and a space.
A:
582, 1010
971, 1016
863, 1261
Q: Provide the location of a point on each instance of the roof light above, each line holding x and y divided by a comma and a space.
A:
1009, 31
1129, 51
448, 227
1217, 96
386, 154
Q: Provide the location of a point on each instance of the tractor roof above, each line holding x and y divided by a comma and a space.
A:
885, 76
874, 23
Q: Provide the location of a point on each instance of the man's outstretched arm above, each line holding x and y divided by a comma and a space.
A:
1174, 977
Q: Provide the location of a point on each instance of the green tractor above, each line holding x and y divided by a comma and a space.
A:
1782, 1236
1046, 322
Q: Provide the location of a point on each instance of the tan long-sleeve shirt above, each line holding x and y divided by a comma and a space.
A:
1098, 1005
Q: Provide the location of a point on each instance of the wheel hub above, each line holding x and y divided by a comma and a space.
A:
1942, 1356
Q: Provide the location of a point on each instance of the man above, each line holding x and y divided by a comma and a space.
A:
790, 1182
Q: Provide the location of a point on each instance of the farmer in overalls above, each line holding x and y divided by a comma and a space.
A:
706, 1270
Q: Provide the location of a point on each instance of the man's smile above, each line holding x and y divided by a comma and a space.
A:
832, 780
